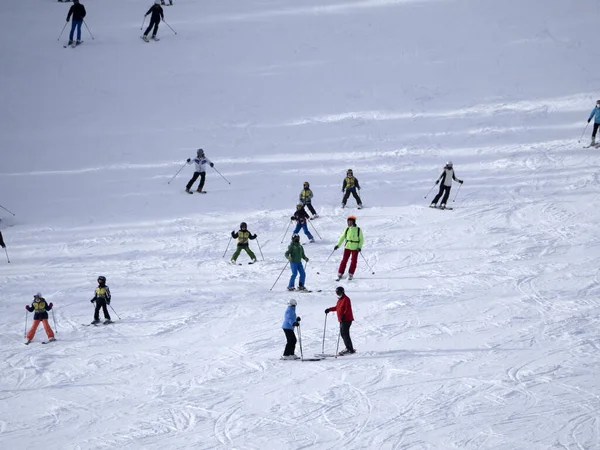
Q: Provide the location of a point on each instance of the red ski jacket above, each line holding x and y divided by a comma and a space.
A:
343, 307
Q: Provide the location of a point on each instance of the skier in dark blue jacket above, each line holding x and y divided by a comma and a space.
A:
78, 12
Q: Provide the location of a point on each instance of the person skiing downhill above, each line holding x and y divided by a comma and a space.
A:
343, 307
446, 178
350, 186
101, 298
290, 320
295, 255
301, 217
40, 309
200, 160
595, 114
242, 236
354, 241
157, 15
305, 198
77, 10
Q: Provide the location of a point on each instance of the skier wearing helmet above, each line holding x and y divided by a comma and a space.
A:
40, 309
446, 178
101, 298
301, 217
290, 320
78, 12
243, 235
200, 160
595, 114
295, 255
343, 307
305, 198
157, 15
350, 186
354, 238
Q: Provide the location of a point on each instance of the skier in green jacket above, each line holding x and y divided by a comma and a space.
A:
295, 255
355, 239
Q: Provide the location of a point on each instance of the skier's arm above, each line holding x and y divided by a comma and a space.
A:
149, 11
356, 183
84, 12
361, 238
344, 185
342, 237
252, 236
303, 255
70, 12
210, 163
288, 254
234, 235
441, 177
162, 16
107, 294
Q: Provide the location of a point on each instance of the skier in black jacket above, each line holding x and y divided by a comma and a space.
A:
78, 12
155, 18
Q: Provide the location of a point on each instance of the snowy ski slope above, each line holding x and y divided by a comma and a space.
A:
479, 328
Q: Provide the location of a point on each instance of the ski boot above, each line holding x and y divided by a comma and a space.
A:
71, 43
233, 261
78, 42
253, 261
107, 321
443, 206
315, 216
360, 206
145, 38
432, 205
95, 322
51, 339
343, 205
27, 342
154, 38
301, 288
312, 240
339, 277
291, 288
350, 276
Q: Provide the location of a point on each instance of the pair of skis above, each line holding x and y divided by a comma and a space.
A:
73, 45
317, 357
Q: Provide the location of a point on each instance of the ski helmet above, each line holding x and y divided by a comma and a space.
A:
349, 172
306, 185
101, 279
295, 238
37, 295
339, 291
243, 225
299, 205
292, 302
200, 152
352, 218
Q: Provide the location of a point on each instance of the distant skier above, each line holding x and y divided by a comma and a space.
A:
290, 320
200, 160
101, 298
343, 307
40, 309
157, 15
446, 178
301, 217
350, 186
2, 244
295, 255
354, 238
243, 235
77, 10
595, 114
306, 196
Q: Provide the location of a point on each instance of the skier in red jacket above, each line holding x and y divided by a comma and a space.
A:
343, 308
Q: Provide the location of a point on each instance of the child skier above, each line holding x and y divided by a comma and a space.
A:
40, 309
595, 114
242, 236
77, 10
157, 15
446, 178
295, 255
301, 217
350, 186
101, 298
306, 196
200, 160
290, 320
354, 241
343, 307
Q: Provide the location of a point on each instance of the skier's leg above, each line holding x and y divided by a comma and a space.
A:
250, 253
446, 195
290, 346
346, 195
294, 267
31, 332
345, 332
595, 130
79, 22
356, 197
72, 31
342, 267
297, 229
155, 29
353, 261
438, 196
202, 178
104, 310
149, 28
311, 209
97, 310
237, 252
302, 274
306, 232
196, 174
48, 329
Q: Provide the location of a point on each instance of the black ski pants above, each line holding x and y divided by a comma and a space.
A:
445, 191
596, 126
101, 303
345, 332
202, 176
290, 346
354, 194
310, 208
153, 23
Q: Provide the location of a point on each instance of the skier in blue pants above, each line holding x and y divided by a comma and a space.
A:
295, 255
78, 12
301, 217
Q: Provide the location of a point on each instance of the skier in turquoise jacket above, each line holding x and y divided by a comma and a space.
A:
290, 320
595, 114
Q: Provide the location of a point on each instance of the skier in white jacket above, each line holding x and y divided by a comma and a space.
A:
446, 178
200, 160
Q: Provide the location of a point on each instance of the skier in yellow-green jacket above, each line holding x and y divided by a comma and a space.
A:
354, 238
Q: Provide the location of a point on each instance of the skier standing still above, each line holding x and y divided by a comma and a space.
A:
101, 298
290, 320
40, 309
354, 241
343, 307
350, 186
77, 10
157, 15
446, 178
295, 255
595, 114
243, 235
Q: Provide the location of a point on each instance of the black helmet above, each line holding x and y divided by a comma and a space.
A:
243, 225
200, 153
349, 171
339, 290
101, 279
306, 185
295, 238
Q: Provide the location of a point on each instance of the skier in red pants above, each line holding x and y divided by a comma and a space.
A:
354, 241
40, 309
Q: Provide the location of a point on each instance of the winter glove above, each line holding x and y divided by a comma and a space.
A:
306, 259
335, 248
298, 319
589, 120
233, 234
292, 218
358, 250
327, 311
295, 324
189, 160
343, 318
108, 302
27, 308
289, 258
437, 181
51, 305
92, 300
212, 165
3, 245
460, 181
255, 236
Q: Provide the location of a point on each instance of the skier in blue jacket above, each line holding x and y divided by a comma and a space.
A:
595, 114
290, 320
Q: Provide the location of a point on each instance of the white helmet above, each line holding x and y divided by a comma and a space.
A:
157, 2
449, 164
38, 295
292, 302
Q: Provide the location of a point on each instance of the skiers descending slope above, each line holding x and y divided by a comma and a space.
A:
157, 15
446, 178
595, 114
77, 10
201, 161
243, 235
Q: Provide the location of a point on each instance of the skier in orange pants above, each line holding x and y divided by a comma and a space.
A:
40, 309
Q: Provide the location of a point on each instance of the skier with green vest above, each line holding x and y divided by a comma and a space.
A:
354, 238
295, 255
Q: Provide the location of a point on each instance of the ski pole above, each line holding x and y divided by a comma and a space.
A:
175, 33
54, 319
434, 185
143, 22
7, 210
318, 273
216, 169
586, 125
300, 343
88, 29
63, 30
286, 230
177, 171
7, 255
457, 191
230, 238
25, 334
261, 253
337, 347
315, 228
114, 311
367, 263
286, 264
324, 329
